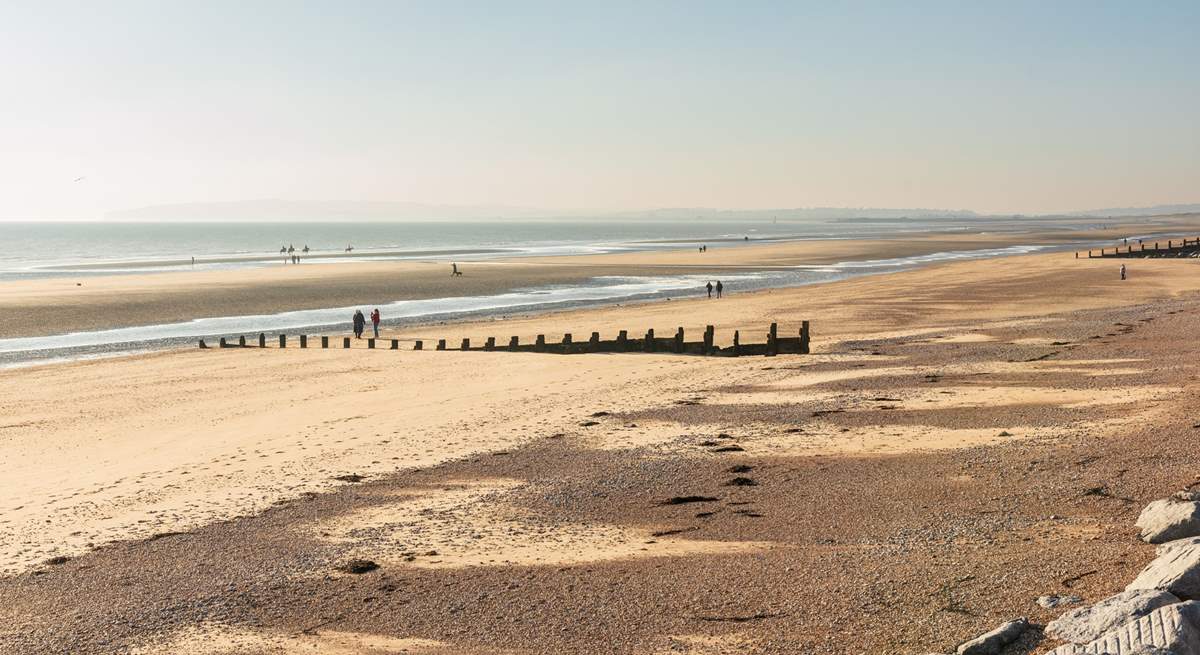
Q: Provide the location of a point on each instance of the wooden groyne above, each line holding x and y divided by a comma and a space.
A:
677, 343
1168, 248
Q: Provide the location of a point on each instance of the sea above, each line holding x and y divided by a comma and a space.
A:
32, 250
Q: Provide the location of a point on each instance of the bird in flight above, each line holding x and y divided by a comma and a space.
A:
81, 178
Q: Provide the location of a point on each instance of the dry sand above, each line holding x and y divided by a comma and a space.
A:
963, 429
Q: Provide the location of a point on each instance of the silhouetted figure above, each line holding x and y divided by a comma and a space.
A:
359, 323
720, 288
709, 286
1122, 271
375, 321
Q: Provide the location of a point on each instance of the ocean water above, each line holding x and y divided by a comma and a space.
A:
32, 250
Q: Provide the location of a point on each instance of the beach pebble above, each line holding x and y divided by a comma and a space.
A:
1170, 630
1051, 602
1169, 519
993, 642
1176, 569
1086, 624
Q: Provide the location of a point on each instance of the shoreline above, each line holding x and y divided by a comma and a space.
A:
65, 305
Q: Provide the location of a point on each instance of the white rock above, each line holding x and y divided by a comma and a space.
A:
993, 642
1169, 630
1169, 519
1087, 624
1176, 569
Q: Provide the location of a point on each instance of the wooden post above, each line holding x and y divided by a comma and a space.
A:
772, 343
418, 345
1076, 255
710, 333
513, 343
678, 346
441, 344
242, 340
222, 342
345, 342
283, 341
395, 344
371, 343
304, 341
594, 342
648, 346
325, 341
804, 337
737, 344
622, 340
490, 344
566, 341
202, 344
466, 344
539, 344
1089, 254
1143, 247
262, 340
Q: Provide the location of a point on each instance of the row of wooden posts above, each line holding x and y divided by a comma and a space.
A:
677, 344
1173, 245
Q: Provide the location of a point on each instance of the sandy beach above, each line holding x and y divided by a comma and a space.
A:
964, 438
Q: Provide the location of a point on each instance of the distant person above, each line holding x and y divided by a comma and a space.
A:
454, 270
746, 238
1122, 271
720, 288
709, 286
193, 262
359, 323
375, 321
305, 251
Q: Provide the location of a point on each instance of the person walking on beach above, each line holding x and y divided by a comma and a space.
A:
359, 323
710, 288
375, 321
720, 288
453, 270
1122, 271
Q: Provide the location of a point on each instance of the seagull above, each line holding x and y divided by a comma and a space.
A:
80, 179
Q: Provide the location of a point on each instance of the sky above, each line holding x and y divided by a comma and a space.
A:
992, 106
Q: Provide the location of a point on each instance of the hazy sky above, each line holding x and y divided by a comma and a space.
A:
1005, 106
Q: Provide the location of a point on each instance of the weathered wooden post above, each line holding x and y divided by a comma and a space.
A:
804, 337
325, 341
772, 343
395, 344
1156, 245
418, 345
466, 344
737, 344
594, 342
622, 340
677, 345
490, 344
1076, 255
202, 344
304, 341
566, 342
648, 346
371, 343
345, 342
222, 342
514, 343
709, 336
283, 341
441, 345
242, 340
262, 340
1089, 254
539, 344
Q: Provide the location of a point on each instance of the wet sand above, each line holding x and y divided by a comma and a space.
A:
69, 304
965, 438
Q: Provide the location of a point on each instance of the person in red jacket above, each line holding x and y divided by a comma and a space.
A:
375, 321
